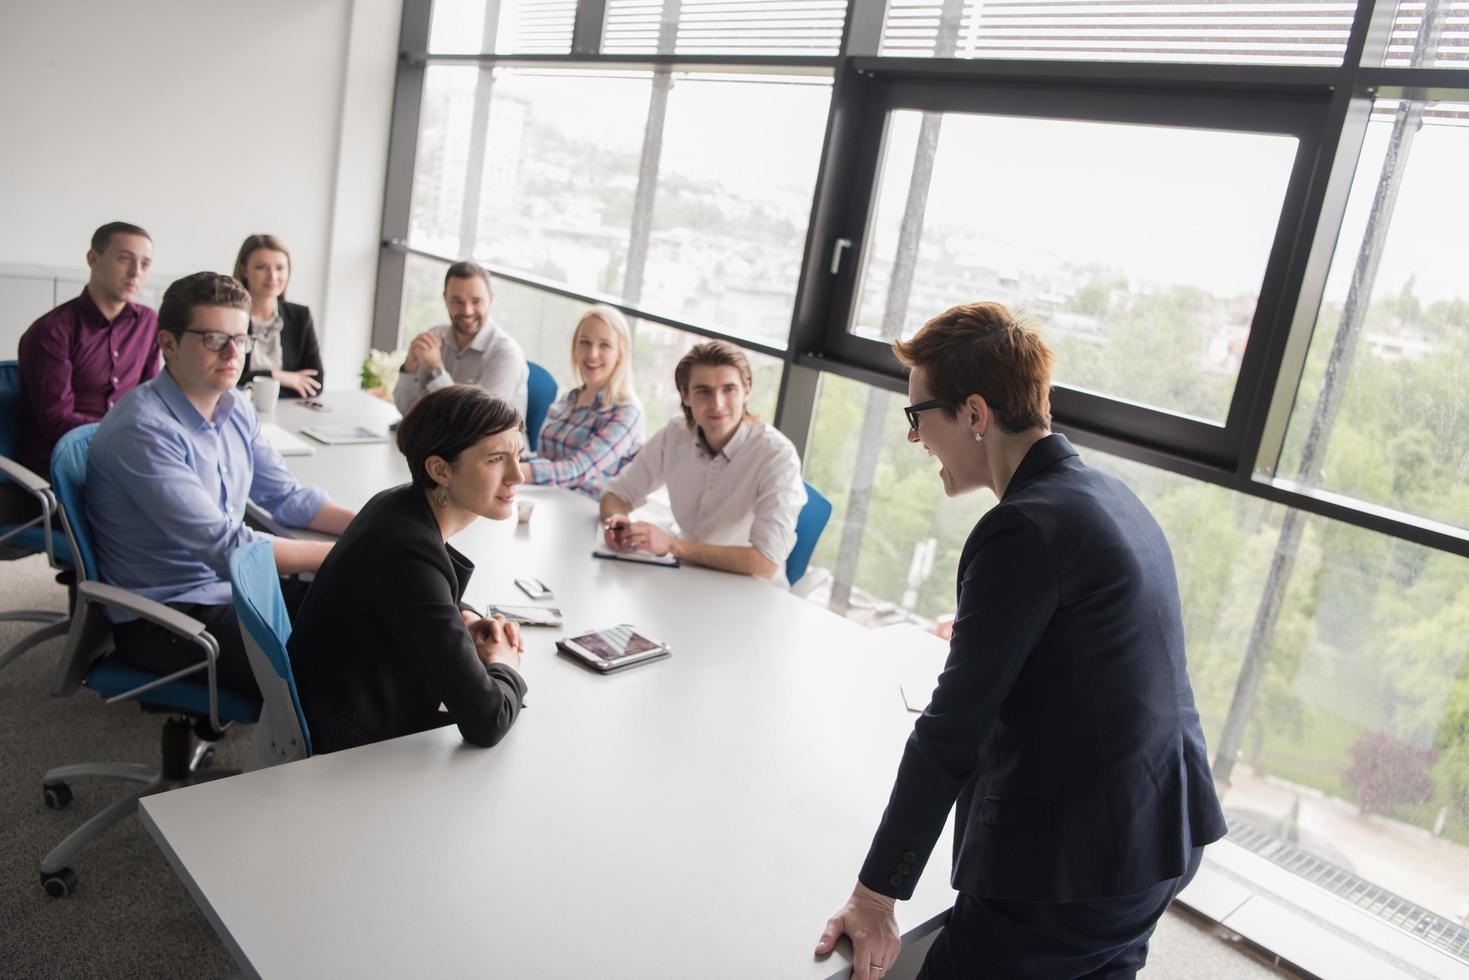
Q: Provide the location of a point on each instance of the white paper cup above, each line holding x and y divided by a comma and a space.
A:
265, 392
523, 510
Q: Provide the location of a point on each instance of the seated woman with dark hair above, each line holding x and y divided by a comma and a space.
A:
382, 638
285, 336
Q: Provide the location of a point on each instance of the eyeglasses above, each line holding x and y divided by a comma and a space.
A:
912, 410
215, 342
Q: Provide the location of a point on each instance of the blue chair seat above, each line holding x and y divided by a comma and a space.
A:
184, 695
34, 539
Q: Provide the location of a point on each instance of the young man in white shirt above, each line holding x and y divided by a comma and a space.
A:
734, 482
469, 349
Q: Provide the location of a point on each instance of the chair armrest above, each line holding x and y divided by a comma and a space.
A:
155, 612
90, 639
258, 517
23, 476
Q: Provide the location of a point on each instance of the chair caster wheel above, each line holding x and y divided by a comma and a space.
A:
56, 795
62, 884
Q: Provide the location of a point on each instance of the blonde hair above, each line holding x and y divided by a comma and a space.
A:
619, 385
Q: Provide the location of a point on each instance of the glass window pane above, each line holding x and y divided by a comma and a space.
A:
501, 27
1381, 413
439, 173
734, 189
742, 27
423, 298
1138, 251
1279, 32
1354, 745
700, 216
1445, 43
558, 175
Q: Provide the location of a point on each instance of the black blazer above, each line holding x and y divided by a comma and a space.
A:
1063, 728
379, 641
299, 349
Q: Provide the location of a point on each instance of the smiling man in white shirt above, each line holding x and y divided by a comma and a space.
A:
733, 481
469, 349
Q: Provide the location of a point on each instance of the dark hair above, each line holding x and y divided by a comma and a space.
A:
979, 349
712, 353
102, 237
447, 421
467, 270
200, 289
254, 244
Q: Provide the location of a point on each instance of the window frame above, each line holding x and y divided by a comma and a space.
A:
1296, 111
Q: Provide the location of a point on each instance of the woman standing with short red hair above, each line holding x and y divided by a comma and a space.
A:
1063, 729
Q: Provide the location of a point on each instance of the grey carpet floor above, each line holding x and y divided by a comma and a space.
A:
130, 916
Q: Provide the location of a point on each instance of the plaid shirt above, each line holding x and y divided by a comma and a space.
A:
582, 448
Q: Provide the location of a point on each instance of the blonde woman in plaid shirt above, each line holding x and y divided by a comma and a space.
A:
592, 431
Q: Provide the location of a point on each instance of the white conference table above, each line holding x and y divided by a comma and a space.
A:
697, 816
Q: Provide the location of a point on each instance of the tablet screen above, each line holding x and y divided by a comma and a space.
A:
614, 644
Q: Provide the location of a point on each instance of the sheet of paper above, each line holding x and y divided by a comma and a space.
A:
285, 442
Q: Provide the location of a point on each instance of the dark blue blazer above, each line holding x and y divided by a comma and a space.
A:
1063, 728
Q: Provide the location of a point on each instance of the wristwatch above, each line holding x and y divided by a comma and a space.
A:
435, 373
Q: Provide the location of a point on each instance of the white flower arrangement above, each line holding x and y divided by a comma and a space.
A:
380, 371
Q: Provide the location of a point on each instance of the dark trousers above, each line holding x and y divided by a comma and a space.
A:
1104, 939
149, 647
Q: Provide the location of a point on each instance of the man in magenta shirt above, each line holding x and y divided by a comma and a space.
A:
79, 359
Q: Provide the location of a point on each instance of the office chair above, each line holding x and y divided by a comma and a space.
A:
809, 525
540, 393
282, 734
191, 702
34, 536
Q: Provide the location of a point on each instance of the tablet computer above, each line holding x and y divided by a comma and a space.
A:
616, 648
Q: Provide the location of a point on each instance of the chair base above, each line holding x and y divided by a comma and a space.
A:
32, 616
60, 623
179, 760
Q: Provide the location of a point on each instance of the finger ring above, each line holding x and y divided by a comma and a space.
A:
879, 969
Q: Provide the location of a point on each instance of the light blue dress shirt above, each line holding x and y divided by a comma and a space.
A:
166, 491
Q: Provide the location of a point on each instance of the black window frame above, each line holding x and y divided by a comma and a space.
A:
1298, 111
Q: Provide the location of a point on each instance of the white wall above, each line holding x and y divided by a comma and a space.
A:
204, 121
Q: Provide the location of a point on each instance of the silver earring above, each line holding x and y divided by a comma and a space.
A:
979, 437
441, 497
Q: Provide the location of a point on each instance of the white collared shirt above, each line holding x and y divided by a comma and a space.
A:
746, 495
493, 360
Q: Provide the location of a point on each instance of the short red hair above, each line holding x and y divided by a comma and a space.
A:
979, 349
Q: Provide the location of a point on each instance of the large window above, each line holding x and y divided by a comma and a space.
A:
1137, 250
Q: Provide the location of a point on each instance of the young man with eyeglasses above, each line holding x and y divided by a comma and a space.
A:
168, 474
